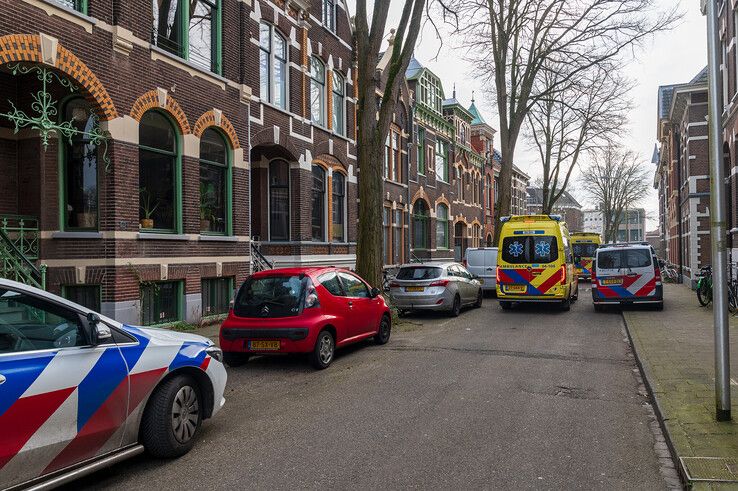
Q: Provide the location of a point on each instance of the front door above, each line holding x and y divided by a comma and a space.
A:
61, 399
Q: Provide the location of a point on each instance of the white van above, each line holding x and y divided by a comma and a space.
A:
482, 261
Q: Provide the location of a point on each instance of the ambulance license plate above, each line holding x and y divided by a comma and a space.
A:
515, 288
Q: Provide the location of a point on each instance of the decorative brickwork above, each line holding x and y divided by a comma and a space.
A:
208, 119
442, 199
27, 47
150, 100
421, 194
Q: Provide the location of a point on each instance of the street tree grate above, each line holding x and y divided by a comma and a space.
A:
717, 469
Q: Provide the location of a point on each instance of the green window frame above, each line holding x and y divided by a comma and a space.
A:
213, 164
89, 296
176, 156
161, 302
421, 219
71, 216
176, 38
421, 151
78, 5
216, 296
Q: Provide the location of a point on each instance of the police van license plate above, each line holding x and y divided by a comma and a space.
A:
515, 288
264, 345
612, 281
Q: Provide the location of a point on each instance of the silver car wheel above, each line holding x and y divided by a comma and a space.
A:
185, 414
325, 350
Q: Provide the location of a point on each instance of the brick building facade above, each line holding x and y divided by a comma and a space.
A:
141, 202
682, 175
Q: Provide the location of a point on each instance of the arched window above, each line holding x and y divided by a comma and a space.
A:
272, 66
490, 191
318, 216
489, 240
339, 106
420, 225
79, 202
442, 226
339, 207
279, 200
317, 91
476, 235
214, 183
158, 173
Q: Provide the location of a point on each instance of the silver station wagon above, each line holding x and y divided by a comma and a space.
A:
441, 287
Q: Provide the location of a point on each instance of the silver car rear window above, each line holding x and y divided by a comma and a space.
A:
419, 273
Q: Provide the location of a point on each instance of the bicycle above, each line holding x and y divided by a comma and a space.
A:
704, 290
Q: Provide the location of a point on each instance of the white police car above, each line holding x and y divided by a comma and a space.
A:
79, 391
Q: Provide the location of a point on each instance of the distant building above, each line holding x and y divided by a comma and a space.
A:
682, 174
482, 139
593, 221
654, 238
566, 206
633, 229
519, 196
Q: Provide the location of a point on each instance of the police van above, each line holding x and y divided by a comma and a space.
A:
535, 262
626, 273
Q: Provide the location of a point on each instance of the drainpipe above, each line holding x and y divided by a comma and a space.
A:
680, 246
251, 175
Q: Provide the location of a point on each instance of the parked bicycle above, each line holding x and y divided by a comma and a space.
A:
704, 290
668, 272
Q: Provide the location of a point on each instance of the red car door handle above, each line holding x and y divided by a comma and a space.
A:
351, 304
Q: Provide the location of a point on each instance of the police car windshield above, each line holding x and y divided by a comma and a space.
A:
270, 296
530, 249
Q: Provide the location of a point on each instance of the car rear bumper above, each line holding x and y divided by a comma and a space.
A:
291, 339
442, 301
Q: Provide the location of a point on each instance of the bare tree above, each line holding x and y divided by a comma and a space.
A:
373, 119
582, 117
615, 180
514, 42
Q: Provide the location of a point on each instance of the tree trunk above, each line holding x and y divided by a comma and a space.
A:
507, 150
369, 237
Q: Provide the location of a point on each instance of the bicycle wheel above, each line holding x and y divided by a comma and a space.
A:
704, 292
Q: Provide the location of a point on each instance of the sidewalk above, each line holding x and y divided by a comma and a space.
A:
675, 350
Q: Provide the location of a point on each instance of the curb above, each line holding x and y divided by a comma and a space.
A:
656, 407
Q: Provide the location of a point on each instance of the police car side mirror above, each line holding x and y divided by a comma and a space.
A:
99, 330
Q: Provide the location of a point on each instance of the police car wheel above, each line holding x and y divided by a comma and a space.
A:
172, 418
599, 308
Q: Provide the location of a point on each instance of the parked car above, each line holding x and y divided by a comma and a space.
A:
535, 262
482, 262
303, 310
444, 287
626, 273
80, 391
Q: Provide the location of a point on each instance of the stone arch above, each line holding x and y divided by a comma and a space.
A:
269, 137
444, 200
460, 219
27, 47
421, 194
335, 151
476, 222
219, 120
330, 162
152, 100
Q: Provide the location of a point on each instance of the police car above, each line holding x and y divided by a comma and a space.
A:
626, 273
79, 391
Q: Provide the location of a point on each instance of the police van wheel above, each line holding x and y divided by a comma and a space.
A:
599, 308
566, 305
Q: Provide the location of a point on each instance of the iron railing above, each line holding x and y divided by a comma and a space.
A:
17, 266
259, 262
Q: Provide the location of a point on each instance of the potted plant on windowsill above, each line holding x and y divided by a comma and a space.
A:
148, 207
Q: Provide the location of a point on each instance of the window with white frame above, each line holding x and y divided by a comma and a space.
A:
339, 105
317, 91
329, 14
272, 66
441, 160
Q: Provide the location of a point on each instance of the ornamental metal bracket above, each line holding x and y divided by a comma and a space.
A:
46, 118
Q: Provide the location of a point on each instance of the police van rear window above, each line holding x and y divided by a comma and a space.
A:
627, 258
530, 249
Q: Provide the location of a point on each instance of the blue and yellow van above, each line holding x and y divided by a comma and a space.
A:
535, 262
584, 246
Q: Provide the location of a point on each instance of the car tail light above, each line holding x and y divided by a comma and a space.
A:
657, 274
563, 274
593, 276
439, 283
311, 299
497, 274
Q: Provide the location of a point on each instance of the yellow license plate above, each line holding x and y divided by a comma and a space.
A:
612, 281
481, 281
264, 345
515, 288
414, 288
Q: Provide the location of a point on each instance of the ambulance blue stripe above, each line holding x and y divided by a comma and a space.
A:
21, 372
514, 275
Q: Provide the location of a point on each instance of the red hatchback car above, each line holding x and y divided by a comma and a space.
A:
302, 310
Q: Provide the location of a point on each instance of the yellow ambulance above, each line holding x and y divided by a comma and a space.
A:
535, 262
584, 246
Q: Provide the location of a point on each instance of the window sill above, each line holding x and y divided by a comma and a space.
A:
59, 10
161, 236
76, 235
218, 238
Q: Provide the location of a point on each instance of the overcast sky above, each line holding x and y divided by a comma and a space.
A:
672, 57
